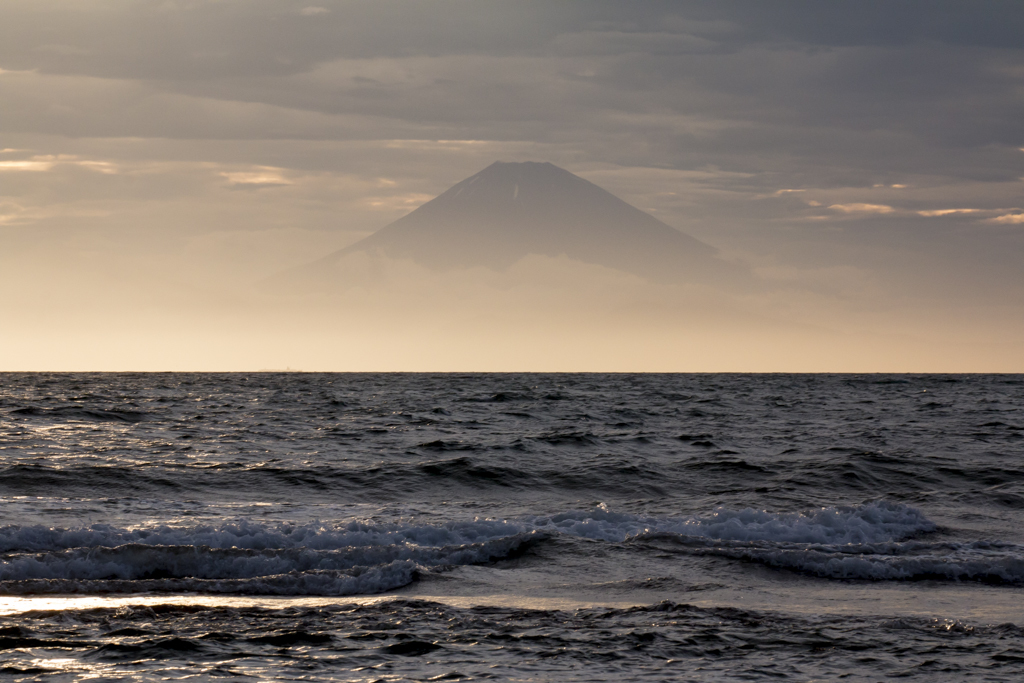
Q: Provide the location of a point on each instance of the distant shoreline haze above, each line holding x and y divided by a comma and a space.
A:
521, 267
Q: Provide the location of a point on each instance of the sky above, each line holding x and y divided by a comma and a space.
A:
161, 159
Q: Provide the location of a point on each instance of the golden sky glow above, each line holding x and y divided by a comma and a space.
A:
160, 161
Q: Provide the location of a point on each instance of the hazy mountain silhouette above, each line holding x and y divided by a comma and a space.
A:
511, 210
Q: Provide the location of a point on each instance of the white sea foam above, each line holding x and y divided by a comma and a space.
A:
873, 522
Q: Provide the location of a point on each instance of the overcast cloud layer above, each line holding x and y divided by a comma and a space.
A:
161, 157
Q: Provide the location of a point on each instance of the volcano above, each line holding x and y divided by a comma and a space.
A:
512, 210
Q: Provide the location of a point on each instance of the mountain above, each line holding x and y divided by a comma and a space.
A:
511, 210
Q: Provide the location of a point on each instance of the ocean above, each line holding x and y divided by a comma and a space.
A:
511, 527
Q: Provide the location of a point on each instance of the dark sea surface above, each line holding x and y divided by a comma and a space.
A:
592, 527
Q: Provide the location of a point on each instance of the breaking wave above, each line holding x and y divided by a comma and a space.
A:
977, 561
252, 568
878, 541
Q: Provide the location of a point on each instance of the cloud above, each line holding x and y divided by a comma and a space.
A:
873, 95
30, 165
406, 202
262, 177
1008, 219
945, 212
49, 162
862, 208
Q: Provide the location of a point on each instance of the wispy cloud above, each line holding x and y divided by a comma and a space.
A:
105, 167
945, 212
40, 163
264, 176
437, 144
28, 165
862, 208
1008, 219
399, 202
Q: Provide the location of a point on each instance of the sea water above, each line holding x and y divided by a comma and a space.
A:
378, 527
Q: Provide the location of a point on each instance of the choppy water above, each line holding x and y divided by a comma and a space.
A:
511, 527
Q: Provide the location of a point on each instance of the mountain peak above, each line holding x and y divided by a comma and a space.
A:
506, 185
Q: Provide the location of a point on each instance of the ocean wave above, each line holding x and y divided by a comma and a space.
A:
871, 522
138, 561
358, 581
246, 534
982, 561
137, 567
868, 523
81, 413
251, 557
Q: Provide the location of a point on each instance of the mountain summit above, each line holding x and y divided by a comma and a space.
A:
511, 210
